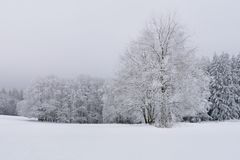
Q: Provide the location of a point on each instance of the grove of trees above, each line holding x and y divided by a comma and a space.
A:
58, 100
160, 81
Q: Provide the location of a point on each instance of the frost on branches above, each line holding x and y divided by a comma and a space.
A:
159, 81
70, 101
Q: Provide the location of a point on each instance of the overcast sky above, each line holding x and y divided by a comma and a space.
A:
71, 37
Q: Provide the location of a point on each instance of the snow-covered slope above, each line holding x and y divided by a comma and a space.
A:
25, 139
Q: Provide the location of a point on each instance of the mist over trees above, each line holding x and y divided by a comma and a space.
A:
160, 82
9, 100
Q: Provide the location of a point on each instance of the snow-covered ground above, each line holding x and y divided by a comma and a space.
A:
25, 139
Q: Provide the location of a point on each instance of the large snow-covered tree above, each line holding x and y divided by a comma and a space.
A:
159, 78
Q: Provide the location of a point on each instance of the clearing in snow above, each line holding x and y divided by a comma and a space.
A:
26, 139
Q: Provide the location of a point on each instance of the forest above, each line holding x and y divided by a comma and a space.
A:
161, 81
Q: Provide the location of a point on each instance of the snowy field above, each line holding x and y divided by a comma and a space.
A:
25, 139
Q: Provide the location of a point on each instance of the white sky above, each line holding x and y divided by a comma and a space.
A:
71, 37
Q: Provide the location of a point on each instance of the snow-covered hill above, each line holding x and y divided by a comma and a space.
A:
26, 139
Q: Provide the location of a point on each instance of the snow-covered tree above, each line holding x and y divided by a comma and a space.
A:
191, 87
87, 99
115, 109
235, 67
224, 88
9, 100
159, 79
7, 105
58, 100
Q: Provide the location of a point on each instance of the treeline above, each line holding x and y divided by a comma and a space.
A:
57, 100
9, 100
160, 81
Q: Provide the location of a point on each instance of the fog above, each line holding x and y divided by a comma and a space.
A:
71, 37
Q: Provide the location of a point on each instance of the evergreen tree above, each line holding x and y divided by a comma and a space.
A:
222, 89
